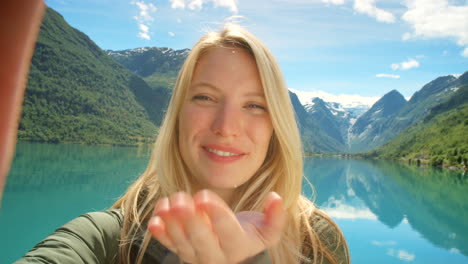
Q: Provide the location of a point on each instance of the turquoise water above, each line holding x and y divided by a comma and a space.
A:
389, 213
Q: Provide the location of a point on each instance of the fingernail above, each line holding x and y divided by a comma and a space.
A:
204, 195
155, 220
276, 195
162, 205
178, 199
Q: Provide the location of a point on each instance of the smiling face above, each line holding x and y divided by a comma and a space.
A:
224, 125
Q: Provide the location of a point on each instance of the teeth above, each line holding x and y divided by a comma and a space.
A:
222, 153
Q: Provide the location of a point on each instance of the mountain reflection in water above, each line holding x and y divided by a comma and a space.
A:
389, 213
432, 201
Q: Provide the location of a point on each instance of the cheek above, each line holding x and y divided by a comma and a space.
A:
261, 132
191, 122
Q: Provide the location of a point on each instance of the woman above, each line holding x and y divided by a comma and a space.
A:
228, 149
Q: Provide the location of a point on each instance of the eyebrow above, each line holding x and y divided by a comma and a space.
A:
217, 89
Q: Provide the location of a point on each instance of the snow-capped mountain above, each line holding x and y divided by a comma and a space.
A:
133, 52
151, 61
356, 105
370, 125
354, 123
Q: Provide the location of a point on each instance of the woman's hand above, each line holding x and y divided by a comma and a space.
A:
203, 229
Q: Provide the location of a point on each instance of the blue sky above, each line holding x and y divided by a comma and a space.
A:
362, 47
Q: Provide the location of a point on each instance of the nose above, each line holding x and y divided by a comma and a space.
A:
227, 121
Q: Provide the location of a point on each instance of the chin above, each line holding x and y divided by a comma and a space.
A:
216, 184
222, 181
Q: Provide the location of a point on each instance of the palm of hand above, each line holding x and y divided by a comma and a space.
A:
203, 229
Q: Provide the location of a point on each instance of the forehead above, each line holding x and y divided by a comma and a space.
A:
228, 68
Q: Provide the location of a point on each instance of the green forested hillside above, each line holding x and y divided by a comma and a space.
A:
439, 139
420, 104
76, 93
159, 67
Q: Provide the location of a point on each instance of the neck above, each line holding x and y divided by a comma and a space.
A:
225, 194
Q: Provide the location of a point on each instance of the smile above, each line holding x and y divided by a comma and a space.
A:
222, 153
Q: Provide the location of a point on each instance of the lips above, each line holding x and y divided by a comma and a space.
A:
223, 154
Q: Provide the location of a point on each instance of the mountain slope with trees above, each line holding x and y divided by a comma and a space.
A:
365, 132
159, 67
420, 104
76, 93
439, 139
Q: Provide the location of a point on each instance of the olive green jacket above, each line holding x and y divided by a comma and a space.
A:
93, 238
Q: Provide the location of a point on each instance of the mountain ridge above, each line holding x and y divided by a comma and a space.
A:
76, 93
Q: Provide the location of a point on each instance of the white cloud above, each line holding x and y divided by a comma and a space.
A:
178, 4
384, 75
406, 256
406, 65
406, 36
464, 53
144, 35
368, 7
384, 243
334, 2
401, 254
144, 28
437, 19
198, 4
144, 18
145, 11
339, 210
172, 34
454, 251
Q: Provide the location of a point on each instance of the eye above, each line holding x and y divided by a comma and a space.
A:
256, 107
201, 98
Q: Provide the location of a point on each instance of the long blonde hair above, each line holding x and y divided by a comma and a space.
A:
281, 171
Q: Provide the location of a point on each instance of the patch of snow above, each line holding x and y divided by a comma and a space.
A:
346, 100
454, 89
309, 106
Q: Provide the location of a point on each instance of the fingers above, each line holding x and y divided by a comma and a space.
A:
203, 229
180, 207
275, 219
157, 228
184, 230
225, 224
203, 239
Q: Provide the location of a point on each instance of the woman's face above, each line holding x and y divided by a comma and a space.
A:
224, 125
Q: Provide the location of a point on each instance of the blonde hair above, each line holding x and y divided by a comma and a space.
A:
281, 171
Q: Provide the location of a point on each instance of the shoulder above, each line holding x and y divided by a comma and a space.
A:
330, 240
101, 226
107, 223
89, 238
327, 230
